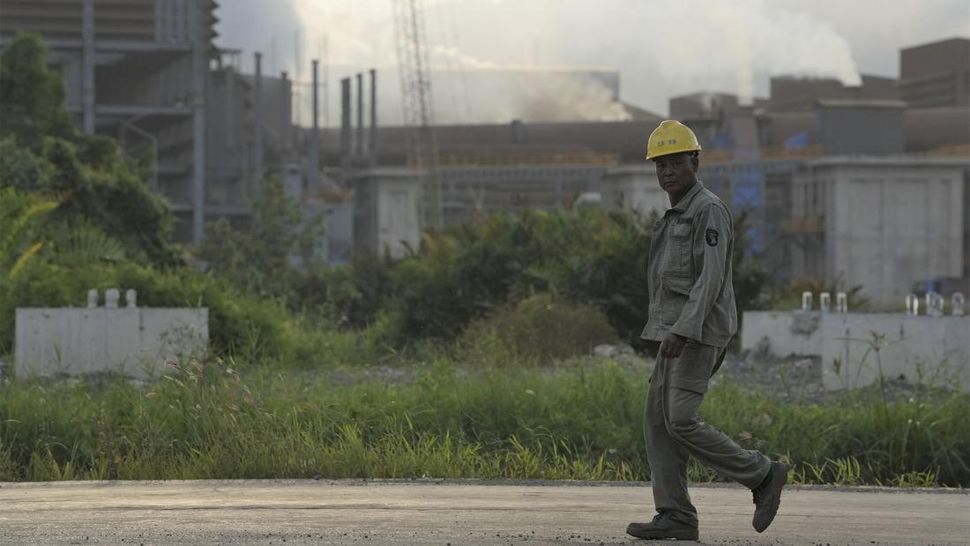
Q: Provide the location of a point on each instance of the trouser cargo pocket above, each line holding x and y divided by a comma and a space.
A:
692, 371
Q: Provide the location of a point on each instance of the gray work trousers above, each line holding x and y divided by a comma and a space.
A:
674, 431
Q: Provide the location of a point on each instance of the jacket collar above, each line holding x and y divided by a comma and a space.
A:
684, 202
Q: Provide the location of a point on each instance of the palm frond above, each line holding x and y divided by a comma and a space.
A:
24, 258
18, 211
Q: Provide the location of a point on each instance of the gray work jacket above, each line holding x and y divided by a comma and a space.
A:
689, 273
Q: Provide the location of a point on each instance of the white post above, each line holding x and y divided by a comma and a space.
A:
111, 296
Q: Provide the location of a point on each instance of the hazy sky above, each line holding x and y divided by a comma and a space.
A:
660, 47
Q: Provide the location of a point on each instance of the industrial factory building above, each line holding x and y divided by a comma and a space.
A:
936, 74
137, 70
879, 222
148, 73
863, 184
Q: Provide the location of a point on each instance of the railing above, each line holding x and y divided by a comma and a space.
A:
515, 158
805, 224
764, 154
954, 150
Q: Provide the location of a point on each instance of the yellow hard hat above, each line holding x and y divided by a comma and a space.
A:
671, 137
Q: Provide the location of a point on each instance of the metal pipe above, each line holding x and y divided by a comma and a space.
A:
315, 140
325, 83
159, 17
230, 117
316, 98
359, 150
87, 66
200, 69
258, 116
344, 122
284, 116
373, 117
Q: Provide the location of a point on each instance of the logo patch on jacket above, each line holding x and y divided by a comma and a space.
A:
711, 237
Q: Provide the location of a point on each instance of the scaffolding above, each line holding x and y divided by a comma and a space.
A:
136, 67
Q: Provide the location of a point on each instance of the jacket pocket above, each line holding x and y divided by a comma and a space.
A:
679, 256
676, 291
679, 284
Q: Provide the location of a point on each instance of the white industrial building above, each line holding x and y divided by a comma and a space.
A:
885, 223
385, 218
633, 188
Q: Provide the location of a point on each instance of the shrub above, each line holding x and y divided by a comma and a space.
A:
539, 330
350, 296
587, 255
257, 258
248, 329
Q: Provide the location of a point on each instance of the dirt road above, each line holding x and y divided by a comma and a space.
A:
355, 512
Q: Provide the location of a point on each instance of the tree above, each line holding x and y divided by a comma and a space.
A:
257, 257
42, 152
31, 97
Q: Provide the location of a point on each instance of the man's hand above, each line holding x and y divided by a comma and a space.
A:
672, 346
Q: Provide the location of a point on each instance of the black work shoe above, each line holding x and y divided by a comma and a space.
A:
767, 496
662, 527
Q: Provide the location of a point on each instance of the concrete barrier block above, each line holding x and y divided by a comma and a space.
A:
781, 333
135, 342
856, 348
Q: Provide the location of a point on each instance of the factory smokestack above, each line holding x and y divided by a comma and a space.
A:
315, 141
373, 117
285, 116
345, 122
359, 150
258, 115
316, 98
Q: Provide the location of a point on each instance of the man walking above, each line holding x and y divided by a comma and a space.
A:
693, 316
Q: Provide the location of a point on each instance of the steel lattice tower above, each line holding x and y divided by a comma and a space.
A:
418, 106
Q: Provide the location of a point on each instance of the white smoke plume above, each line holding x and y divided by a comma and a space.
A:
661, 48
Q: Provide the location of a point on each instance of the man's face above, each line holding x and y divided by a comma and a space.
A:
676, 173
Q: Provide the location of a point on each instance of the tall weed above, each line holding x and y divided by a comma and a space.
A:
208, 420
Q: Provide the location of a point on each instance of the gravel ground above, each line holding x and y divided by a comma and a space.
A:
795, 379
452, 513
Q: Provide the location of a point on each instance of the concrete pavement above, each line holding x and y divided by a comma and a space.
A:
359, 512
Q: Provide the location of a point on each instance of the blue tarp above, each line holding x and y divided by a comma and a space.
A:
796, 142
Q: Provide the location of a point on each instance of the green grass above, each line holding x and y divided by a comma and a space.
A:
206, 421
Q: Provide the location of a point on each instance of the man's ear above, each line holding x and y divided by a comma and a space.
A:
695, 161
